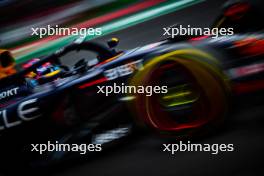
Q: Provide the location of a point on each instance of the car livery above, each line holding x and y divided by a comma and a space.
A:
203, 76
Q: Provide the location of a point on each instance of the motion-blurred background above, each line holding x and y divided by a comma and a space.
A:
136, 23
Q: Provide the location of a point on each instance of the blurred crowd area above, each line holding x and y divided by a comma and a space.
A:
19, 16
16, 10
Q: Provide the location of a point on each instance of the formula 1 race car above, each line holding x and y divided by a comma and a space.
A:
180, 88
200, 76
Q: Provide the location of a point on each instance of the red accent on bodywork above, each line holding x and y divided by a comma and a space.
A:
89, 84
237, 11
249, 70
250, 46
7, 104
248, 87
199, 38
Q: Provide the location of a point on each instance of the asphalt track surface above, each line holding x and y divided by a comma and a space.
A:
143, 155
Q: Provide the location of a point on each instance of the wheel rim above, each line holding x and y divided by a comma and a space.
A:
189, 105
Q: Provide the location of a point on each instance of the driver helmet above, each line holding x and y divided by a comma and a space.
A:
41, 74
45, 70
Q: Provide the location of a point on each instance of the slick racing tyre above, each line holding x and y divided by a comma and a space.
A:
197, 92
